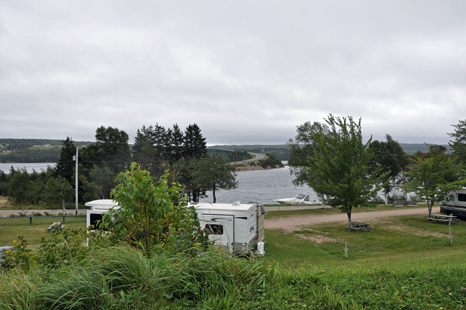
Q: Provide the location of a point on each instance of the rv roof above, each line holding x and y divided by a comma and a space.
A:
101, 203
223, 206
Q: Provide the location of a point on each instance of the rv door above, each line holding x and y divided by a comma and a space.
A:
221, 229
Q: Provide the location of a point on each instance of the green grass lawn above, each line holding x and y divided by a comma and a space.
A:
400, 240
11, 228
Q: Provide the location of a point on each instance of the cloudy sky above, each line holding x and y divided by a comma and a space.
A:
247, 72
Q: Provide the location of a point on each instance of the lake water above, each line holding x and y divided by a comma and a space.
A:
262, 186
38, 167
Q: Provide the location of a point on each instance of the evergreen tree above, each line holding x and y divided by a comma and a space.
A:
194, 142
66, 163
340, 166
176, 144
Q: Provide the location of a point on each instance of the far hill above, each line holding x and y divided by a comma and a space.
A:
32, 150
48, 150
282, 152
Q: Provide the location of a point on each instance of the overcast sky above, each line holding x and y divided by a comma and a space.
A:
247, 72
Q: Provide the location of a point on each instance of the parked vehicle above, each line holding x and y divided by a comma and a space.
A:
455, 204
237, 227
300, 199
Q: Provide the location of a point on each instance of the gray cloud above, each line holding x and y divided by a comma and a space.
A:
245, 72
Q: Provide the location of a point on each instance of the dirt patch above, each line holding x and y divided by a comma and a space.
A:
294, 223
416, 231
319, 239
3, 202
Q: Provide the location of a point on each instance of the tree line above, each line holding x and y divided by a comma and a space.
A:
332, 158
181, 155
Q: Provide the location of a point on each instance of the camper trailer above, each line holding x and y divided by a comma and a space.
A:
98, 207
455, 204
237, 227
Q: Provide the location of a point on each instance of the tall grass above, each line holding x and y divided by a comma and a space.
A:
123, 278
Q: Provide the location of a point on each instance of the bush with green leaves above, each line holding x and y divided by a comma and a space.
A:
19, 256
65, 247
150, 215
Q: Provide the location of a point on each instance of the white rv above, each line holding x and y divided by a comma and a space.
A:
98, 207
455, 204
237, 227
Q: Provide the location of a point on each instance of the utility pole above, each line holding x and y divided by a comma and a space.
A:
76, 180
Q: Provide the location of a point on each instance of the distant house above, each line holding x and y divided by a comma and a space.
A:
48, 145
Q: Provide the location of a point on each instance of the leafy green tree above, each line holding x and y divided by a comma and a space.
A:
390, 158
214, 172
302, 148
59, 190
104, 179
21, 187
90, 190
459, 143
152, 215
340, 166
66, 163
113, 148
433, 175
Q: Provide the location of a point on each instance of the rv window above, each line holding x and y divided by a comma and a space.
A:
461, 197
95, 218
214, 229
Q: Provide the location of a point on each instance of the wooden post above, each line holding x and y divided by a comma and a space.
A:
346, 250
449, 234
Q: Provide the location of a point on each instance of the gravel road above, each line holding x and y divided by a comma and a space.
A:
293, 223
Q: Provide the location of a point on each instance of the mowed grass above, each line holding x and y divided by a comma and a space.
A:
11, 228
395, 241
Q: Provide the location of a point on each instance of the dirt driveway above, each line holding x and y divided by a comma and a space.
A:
293, 223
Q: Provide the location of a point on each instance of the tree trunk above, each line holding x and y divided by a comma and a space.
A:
213, 193
349, 214
385, 198
63, 202
429, 207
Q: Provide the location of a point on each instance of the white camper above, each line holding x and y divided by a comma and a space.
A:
237, 227
455, 204
98, 207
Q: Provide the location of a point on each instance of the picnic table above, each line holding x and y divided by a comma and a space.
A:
443, 218
358, 226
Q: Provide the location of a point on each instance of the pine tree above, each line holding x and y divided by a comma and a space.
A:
66, 163
194, 142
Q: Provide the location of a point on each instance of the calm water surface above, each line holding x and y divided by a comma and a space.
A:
38, 167
262, 186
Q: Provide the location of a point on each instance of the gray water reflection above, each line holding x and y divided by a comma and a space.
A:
38, 167
262, 186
